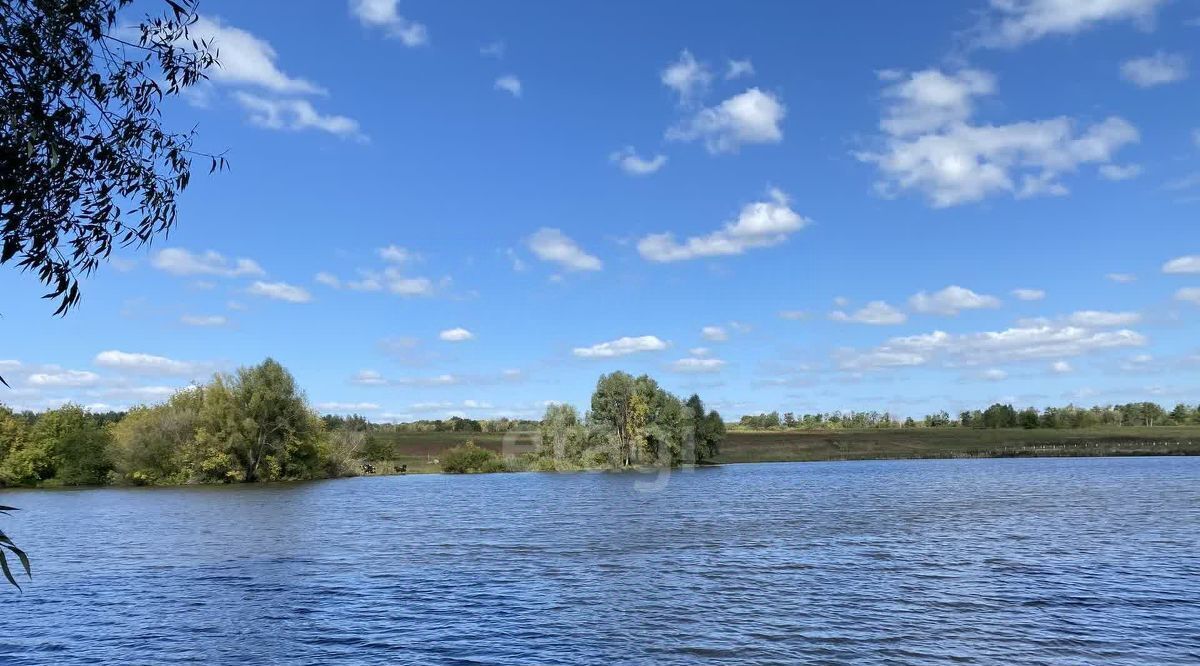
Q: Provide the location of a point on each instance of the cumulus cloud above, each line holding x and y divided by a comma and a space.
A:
875, 313
1029, 294
1187, 264
1023, 343
751, 117
1011, 23
397, 255
951, 300
930, 146
204, 320
1120, 171
148, 364
296, 115
63, 379
1188, 295
368, 378
759, 224
510, 84
697, 365
385, 15
456, 335
280, 291
346, 407
714, 333
1156, 70
554, 246
1102, 319
736, 69
636, 165
1061, 367
1121, 278
247, 60
177, 261
687, 77
621, 347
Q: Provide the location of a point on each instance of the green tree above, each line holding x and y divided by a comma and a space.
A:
1029, 418
471, 459
149, 445
255, 424
69, 446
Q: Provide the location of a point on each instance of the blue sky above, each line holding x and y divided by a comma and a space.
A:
444, 208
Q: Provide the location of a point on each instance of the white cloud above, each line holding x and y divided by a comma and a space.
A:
1023, 343
385, 15
736, 69
178, 261
328, 279
1121, 278
204, 320
636, 165
346, 407
368, 378
247, 60
1119, 171
494, 49
1061, 367
1016, 22
697, 365
296, 115
510, 84
793, 315
1188, 295
1156, 70
397, 255
554, 246
456, 335
951, 300
699, 351
687, 77
1102, 319
759, 224
1188, 264
875, 313
930, 99
994, 375
621, 347
280, 291
930, 146
751, 117
63, 379
1029, 294
714, 333
148, 364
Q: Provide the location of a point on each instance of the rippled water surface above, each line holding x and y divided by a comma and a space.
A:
1082, 561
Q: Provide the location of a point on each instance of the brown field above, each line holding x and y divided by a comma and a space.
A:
420, 450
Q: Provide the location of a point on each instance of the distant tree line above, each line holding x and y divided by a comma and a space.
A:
452, 424
996, 416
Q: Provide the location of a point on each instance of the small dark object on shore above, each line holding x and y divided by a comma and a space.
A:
404, 469
368, 468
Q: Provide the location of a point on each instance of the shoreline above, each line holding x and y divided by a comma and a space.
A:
1115, 453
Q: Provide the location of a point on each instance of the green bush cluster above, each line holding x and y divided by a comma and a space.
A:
251, 425
472, 459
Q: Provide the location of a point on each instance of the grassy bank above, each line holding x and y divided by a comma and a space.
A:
420, 450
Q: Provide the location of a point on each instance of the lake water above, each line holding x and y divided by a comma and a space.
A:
1052, 561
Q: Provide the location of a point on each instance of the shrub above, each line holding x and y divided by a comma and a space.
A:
471, 459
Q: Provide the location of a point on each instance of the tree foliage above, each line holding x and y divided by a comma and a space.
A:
85, 161
633, 421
